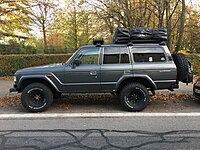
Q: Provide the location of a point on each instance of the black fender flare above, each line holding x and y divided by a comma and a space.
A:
41, 77
134, 76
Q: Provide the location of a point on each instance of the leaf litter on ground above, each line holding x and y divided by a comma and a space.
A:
68, 100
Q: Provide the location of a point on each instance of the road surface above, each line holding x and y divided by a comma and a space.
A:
101, 133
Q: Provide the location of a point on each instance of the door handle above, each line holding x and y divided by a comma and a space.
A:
127, 71
93, 73
165, 70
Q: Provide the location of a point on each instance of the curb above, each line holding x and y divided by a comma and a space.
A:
92, 115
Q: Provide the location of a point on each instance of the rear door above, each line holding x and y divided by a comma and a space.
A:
115, 63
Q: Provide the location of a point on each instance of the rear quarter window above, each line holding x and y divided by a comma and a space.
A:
143, 55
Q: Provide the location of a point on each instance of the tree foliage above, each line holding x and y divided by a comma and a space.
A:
77, 22
42, 15
82, 20
14, 17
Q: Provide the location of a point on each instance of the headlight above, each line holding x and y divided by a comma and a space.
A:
14, 78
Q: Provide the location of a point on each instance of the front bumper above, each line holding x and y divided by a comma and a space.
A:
14, 89
196, 91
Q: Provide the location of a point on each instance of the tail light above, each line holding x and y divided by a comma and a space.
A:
197, 83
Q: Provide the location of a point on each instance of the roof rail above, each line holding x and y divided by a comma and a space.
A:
162, 43
131, 43
98, 42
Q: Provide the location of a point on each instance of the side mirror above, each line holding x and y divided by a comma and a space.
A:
76, 62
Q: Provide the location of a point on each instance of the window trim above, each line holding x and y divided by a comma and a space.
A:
163, 50
129, 56
81, 49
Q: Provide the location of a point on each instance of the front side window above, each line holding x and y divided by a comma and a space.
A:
89, 56
115, 55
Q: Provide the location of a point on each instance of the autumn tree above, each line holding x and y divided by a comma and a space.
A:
168, 14
42, 15
14, 19
191, 38
79, 24
181, 26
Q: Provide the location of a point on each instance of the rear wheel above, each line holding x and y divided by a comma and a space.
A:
36, 97
134, 97
113, 93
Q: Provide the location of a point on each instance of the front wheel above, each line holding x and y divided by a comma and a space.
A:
36, 97
57, 95
134, 97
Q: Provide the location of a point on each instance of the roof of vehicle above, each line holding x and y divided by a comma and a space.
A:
121, 45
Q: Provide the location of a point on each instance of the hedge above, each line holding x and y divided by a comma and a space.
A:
195, 60
10, 63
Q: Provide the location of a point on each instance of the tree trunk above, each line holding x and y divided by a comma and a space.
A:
75, 35
141, 22
181, 27
44, 37
161, 10
168, 24
75, 27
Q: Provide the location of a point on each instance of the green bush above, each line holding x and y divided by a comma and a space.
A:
16, 48
11, 63
195, 60
55, 51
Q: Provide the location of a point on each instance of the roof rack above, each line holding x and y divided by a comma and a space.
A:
98, 42
140, 35
145, 42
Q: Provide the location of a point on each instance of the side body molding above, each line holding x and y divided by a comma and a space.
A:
136, 76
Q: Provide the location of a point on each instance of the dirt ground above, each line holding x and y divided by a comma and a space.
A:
180, 100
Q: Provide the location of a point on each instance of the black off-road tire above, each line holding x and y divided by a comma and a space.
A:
183, 68
36, 97
134, 97
113, 93
57, 95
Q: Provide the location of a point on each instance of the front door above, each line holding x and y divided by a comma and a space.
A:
85, 76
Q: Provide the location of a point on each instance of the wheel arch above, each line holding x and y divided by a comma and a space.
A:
25, 81
142, 79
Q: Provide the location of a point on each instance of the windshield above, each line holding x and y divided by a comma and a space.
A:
71, 57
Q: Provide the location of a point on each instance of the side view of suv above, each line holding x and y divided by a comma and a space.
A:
130, 71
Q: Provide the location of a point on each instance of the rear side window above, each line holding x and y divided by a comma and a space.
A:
115, 55
148, 55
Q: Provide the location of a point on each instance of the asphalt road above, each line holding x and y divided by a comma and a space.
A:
101, 133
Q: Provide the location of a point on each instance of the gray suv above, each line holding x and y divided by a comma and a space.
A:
130, 71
